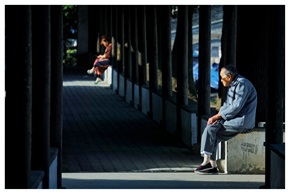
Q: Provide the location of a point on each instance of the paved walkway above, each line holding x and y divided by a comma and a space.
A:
105, 137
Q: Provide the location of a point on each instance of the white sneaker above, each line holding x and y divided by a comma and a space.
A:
89, 71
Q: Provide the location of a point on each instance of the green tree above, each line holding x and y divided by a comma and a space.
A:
70, 32
69, 21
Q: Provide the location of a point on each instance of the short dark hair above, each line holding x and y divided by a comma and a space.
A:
231, 69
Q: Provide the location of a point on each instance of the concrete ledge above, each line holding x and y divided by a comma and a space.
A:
108, 75
36, 179
189, 125
157, 107
277, 177
37, 175
136, 96
114, 80
53, 168
128, 92
145, 100
121, 86
171, 118
246, 153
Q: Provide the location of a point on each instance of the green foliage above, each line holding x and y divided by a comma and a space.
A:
70, 57
71, 52
70, 32
69, 21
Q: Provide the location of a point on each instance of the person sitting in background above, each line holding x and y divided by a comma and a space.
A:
101, 62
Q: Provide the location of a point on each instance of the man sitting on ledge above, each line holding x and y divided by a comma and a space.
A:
236, 115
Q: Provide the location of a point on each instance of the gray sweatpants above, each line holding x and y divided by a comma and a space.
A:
212, 135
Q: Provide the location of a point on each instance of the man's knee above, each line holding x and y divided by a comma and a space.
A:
210, 129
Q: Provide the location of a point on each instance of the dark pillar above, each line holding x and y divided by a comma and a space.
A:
135, 58
166, 51
128, 47
106, 20
152, 52
275, 83
182, 62
56, 85
134, 51
114, 38
122, 42
143, 45
92, 33
119, 44
82, 33
110, 12
117, 64
127, 33
228, 42
142, 49
257, 53
18, 101
153, 46
41, 90
110, 31
204, 65
166, 57
191, 83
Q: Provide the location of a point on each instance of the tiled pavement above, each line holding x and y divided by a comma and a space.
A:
108, 144
103, 133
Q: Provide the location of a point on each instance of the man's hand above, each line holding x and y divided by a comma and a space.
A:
214, 119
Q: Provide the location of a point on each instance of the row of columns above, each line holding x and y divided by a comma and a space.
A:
33, 84
141, 36
246, 42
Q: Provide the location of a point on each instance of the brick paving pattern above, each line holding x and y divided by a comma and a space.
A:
103, 133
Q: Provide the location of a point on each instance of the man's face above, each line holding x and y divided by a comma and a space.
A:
225, 79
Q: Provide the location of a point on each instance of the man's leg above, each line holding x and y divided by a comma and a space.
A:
223, 134
208, 141
212, 135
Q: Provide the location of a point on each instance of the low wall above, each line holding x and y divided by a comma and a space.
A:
53, 168
37, 176
108, 75
114, 81
189, 127
128, 92
171, 118
157, 108
136, 96
121, 86
145, 100
277, 177
37, 179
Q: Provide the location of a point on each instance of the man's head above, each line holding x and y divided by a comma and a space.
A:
228, 73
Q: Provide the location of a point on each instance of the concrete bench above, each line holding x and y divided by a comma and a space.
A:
245, 153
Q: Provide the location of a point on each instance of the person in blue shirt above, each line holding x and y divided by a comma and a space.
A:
236, 115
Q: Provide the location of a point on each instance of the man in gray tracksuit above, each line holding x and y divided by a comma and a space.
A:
236, 115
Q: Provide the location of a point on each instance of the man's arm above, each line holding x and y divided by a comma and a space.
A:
238, 103
214, 119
